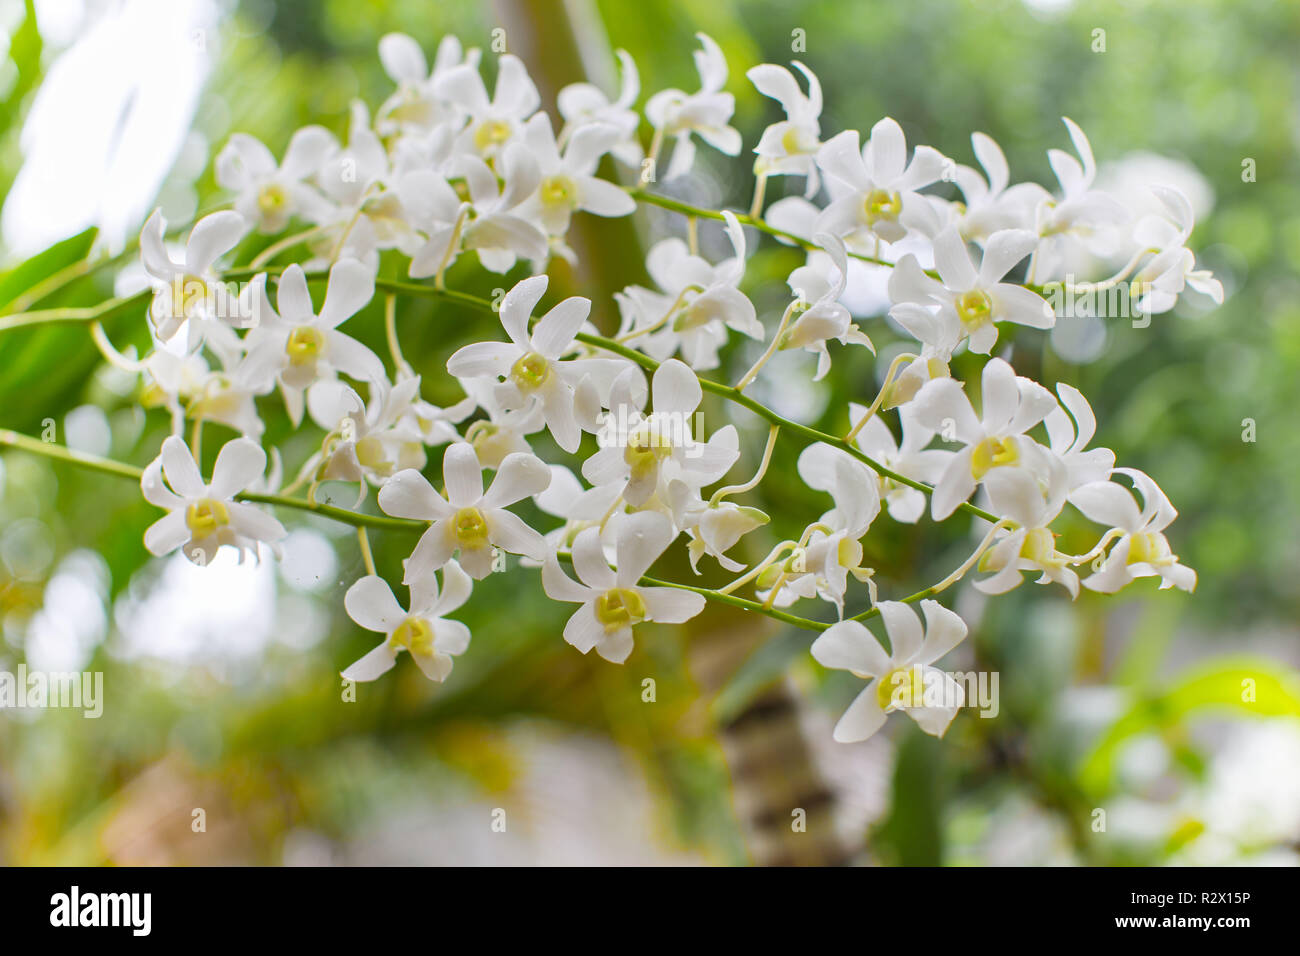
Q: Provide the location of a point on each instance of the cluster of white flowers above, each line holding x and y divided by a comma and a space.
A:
444, 170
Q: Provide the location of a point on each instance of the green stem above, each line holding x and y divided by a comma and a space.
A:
91, 314
122, 470
641, 194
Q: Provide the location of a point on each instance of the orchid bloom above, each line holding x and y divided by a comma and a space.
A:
904, 679
1142, 550
641, 451
468, 520
613, 602
189, 289
790, 146
423, 630
979, 298
877, 185
705, 114
296, 345
532, 366
203, 516
268, 193
1012, 404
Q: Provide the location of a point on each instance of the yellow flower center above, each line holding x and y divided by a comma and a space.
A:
881, 204
559, 191
470, 528
991, 453
974, 308
188, 294
530, 372
305, 345
647, 445
370, 452
481, 432
272, 198
205, 516
901, 688
1150, 548
491, 133
618, 608
1040, 547
794, 142
849, 553
415, 634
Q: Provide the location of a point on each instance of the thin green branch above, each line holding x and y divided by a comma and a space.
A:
641, 194
108, 466
104, 310
803, 622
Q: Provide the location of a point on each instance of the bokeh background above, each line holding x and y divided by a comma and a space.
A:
221, 684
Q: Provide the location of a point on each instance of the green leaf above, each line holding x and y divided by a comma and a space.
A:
30, 273
1254, 687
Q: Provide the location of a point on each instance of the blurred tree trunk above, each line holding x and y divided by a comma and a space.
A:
786, 811
563, 42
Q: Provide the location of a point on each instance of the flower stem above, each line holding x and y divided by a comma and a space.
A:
880, 397
109, 467
771, 348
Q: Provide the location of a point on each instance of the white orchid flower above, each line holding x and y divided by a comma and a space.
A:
1156, 285
790, 147
1142, 550
190, 289
1083, 218
568, 179
1031, 497
612, 601
201, 517
697, 303
910, 458
940, 333
501, 231
298, 346
369, 215
904, 679
582, 103
468, 519
877, 186
187, 386
992, 205
834, 549
532, 365
825, 318
979, 298
1012, 405
502, 432
714, 527
423, 630
705, 114
414, 105
268, 193
1068, 435
366, 443
640, 452
493, 123
433, 207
